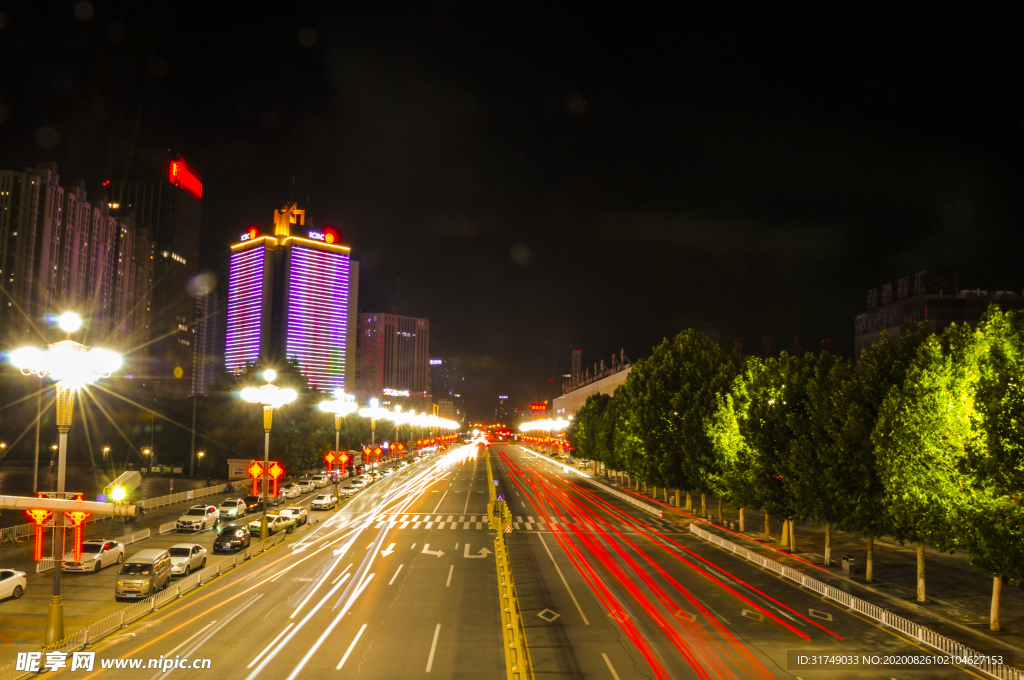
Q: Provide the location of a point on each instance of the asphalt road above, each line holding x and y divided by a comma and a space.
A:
401, 582
609, 591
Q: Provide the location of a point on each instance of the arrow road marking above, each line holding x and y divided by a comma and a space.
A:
389, 550
431, 552
484, 552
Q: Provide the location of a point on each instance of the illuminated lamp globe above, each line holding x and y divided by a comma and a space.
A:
69, 322
118, 494
269, 375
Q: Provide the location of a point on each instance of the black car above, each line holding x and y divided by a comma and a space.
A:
253, 503
232, 537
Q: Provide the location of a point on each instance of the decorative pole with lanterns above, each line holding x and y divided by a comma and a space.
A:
72, 366
342, 405
270, 396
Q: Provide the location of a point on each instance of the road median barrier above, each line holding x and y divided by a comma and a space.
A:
912, 630
517, 653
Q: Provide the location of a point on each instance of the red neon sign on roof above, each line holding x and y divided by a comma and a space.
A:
180, 175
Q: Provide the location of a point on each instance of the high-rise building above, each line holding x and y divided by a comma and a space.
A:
393, 356
163, 193
209, 334
60, 252
447, 383
293, 296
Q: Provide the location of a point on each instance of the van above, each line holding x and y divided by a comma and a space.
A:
142, 574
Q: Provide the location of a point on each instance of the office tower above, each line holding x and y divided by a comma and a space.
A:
393, 356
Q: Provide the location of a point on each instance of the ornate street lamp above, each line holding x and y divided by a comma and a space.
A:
72, 366
342, 405
373, 412
270, 397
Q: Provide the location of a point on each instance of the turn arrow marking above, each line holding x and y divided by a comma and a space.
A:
431, 552
484, 552
388, 551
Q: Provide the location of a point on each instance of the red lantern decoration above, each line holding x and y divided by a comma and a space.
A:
276, 472
255, 471
78, 518
39, 518
329, 458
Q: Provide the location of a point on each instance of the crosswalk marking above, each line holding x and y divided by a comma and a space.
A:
478, 522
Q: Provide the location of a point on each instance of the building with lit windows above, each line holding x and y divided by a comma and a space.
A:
393, 358
292, 294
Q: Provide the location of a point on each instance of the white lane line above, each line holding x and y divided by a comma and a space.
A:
450, 570
350, 648
606, 660
267, 648
341, 574
213, 632
170, 653
469, 494
564, 582
396, 574
433, 646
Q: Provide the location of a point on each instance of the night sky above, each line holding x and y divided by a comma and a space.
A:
531, 177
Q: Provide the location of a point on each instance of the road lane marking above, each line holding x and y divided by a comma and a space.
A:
433, 647
564, 582
190, 639
396, 574
484, 552
350, 648
267, 648
195, 648
450, 570
610, 666
389, 550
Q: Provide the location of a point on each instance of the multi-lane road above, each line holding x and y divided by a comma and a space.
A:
401, 582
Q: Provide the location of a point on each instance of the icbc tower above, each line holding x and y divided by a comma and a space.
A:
293, 295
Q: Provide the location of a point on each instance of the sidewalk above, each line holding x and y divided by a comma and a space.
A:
959, 596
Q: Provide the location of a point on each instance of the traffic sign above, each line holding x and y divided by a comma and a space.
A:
501, 498
495, 482
508, 529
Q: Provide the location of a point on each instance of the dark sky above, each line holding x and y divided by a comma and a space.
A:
533, 177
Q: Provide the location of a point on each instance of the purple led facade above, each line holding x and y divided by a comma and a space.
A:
245, 307
317, 314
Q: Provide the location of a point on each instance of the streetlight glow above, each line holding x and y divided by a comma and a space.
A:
69, 322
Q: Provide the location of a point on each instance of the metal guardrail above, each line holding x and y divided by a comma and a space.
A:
167, 527
46, 564
517, 654
923, 635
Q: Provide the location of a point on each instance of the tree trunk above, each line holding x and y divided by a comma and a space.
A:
721, 514
792, 536
767, 528
869, 567
677, 498
665, 495
785, 533
920, 573
997, 589
689, 501
742, 527
704, 505
828, 544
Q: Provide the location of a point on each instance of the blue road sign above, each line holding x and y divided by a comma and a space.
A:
501, 497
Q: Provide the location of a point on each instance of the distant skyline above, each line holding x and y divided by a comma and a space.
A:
526, 181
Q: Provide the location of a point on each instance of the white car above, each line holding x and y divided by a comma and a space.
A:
296, 512
358, 483
12, 584
96, 554
324, 501
403, 464
319, 481
347, 491
275, 523
186, 557
306, 485
291, 490
232, 508
198, 518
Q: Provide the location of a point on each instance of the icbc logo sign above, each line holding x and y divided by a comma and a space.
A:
328, 235
251, 234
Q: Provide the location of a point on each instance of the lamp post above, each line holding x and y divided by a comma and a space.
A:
373, 412
270, 397
200, 455
72, 366
3, 452
342, 405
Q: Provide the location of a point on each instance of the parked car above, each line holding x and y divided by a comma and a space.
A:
12, 584
324, 501
296, 512
291, 490
96, 554
320, 481
403, 464
358, 483
231, 537
275, 523
347, 491
253, 503
186, 557
232, 508
142, 574
198, 518
306, 485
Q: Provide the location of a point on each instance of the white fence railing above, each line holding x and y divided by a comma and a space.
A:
632, 500
167, 527
116, 621
46, 564
27, 530
924, 635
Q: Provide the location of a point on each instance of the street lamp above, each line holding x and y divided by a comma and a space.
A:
106, 451
200, 454
373, 412
342, 405
72, 366
270, 397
